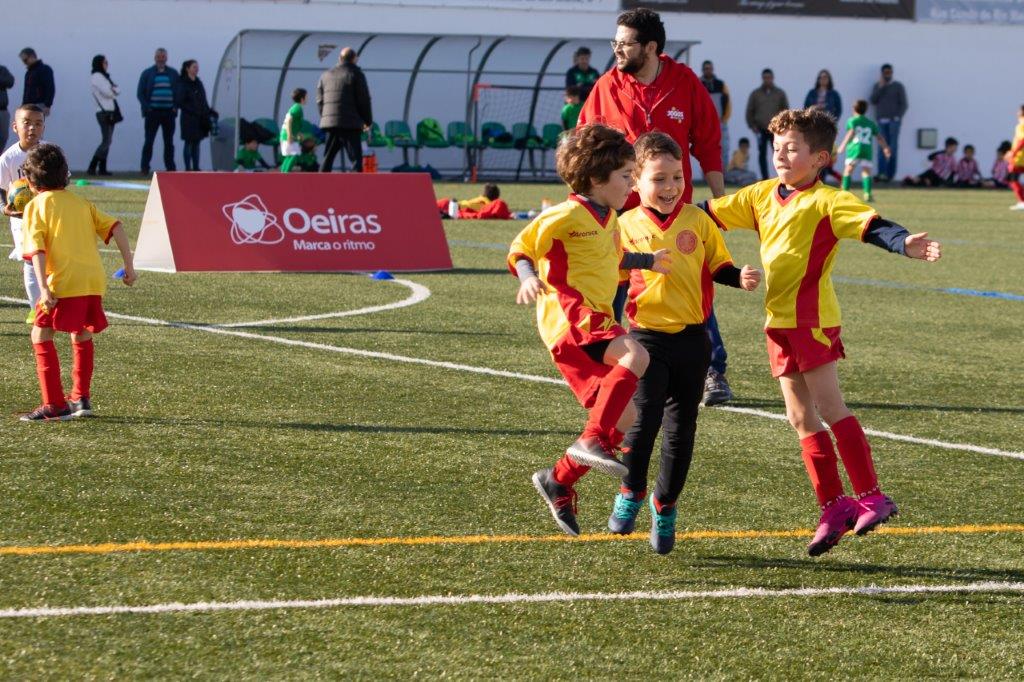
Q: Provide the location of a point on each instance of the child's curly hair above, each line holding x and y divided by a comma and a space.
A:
815, 124
46, 167
590, 154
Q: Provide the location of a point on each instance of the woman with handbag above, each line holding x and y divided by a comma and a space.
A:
108, 113
196, 115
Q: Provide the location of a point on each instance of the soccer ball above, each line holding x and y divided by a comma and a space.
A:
19, 195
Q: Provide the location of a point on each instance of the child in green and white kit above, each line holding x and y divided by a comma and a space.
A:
860, 131
291, 131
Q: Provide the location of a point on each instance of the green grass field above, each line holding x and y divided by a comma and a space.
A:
411, 480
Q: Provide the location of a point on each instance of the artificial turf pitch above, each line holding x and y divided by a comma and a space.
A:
210, 437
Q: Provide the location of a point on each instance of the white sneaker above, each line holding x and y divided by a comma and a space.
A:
1019, 206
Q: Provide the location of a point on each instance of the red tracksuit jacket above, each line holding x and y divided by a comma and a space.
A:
677, 103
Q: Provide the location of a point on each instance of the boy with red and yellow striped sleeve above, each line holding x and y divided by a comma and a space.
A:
568, 261
668, 313
799, 221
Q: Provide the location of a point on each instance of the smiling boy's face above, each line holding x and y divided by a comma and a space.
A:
661, 182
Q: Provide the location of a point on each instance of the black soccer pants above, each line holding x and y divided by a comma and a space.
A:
668, 398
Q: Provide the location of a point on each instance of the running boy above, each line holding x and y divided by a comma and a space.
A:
568, 260
291, 131
29, 122
860, 131
799, 222
60, 233
668, 313
1015, 162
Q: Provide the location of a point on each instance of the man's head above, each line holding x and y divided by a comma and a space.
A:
707, 69
160, 58
491, 191
28, 125
767, 78
46, 167
573, 94
887, 72
299, 95
803, 143
639, 38
28, 56
658, 173
347, 55
597, 161
860, 107
581, 58
951, 144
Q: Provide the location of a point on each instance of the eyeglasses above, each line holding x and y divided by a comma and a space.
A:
616, 44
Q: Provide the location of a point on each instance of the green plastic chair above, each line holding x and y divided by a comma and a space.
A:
551, 133
524, 136
429, 134
375, 138
400, 135
495, 136
459, 135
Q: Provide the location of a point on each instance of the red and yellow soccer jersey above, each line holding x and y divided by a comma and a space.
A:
1018, 144
668, 303
799, 242
64, 226
577, 257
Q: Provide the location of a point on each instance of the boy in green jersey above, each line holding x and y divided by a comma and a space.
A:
291, 131
860, 131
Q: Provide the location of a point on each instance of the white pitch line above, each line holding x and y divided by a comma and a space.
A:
419, 293
517, 598
510, 375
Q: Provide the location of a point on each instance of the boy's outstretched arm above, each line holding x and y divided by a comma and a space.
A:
121, 240
920, 247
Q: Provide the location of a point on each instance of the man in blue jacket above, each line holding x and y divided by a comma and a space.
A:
157, 87
39, 87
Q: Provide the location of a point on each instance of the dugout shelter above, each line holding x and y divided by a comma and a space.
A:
459, 103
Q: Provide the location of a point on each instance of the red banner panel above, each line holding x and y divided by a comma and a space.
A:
295, 222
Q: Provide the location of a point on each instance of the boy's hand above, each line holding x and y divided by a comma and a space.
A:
47, 299
888, 152
129, 276
529, 290
662, 261
840, 149
11, 213
750, 278
919, 246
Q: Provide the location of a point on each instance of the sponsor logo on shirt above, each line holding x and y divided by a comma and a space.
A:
575, 234
253, 223
641, 239
676, 115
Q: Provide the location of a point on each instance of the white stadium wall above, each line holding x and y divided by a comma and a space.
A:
961, 79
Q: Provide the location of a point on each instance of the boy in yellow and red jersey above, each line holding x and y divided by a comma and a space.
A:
1015, 162
668, 313
568, 261
799, 222
60, 232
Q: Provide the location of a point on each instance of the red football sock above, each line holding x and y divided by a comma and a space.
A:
81, 370
822, 467
567, 472
1017, 190
636, 495
617, 389
660, 506
48, 371
856, 453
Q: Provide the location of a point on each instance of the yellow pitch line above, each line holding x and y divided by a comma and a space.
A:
204, 545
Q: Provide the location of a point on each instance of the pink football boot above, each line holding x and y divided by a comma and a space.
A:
874, 510
836, 520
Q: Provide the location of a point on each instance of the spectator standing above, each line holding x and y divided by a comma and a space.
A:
39, 85
196, 114
582, 74
6, 83
890, 100
825, 95
723, 104
108, 113
762, 105
343, 98
155, 93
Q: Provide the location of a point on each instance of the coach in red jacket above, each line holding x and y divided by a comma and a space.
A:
650, 91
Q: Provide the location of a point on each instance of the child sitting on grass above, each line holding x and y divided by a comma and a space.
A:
248, 157
60, 232
941, 172
799, 222
487, 206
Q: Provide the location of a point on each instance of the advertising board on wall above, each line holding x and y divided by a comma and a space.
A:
971, 11
875, 9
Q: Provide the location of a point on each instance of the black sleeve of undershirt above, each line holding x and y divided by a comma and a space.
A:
706, 208
729, 275
887, 235
636, 261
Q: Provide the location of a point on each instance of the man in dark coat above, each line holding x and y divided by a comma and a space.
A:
39, 87
6, 83
343, 98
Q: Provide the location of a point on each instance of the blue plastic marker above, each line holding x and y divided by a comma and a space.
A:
382, 274
119, 274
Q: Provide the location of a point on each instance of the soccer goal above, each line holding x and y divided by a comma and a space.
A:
517, 129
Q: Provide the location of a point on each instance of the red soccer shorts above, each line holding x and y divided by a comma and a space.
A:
802, 349
73, 315
582, 372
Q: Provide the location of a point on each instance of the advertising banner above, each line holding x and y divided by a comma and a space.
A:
877, 9
291, 222
1004, 12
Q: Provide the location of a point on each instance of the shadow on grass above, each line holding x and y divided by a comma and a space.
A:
780, 405
961, 574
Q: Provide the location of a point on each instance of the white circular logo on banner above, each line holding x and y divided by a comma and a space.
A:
252, 223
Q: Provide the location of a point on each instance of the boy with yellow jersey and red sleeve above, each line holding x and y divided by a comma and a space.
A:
568, 261
1015, 162
799, 222
60, 233
668, 313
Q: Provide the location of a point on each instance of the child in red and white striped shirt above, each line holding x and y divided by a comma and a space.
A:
943, 168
